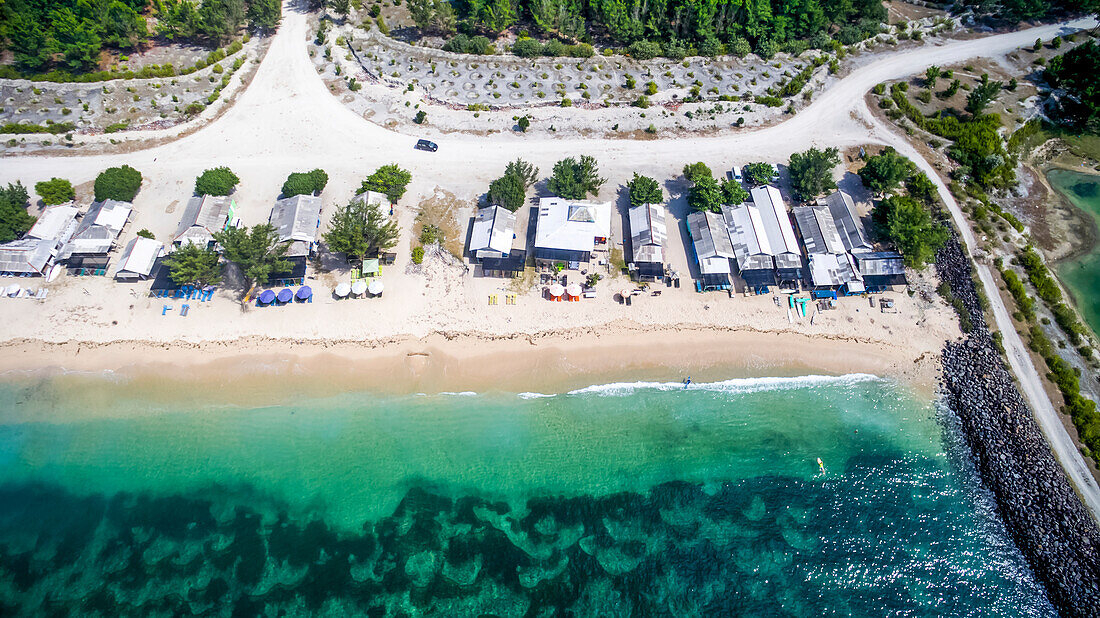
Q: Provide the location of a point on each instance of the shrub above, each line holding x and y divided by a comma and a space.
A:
55, 191
145, 233
642, 102
117, 183
418, 255
527, 48
420, 117
644, 50
305, 183
650, 88
216, 181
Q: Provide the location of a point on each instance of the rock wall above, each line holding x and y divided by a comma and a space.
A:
1050, 525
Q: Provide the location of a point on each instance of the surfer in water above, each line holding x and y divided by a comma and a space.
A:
687, 382
821, 465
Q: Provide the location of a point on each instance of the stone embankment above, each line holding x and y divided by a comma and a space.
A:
1047, 520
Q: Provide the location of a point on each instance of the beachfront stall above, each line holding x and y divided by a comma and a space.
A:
203, 216
138, 259
647, 238
713, 250
35, 253
492, 230
87, 252
571, 233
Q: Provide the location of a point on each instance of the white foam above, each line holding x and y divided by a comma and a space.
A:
535, 395
733, 386
459, 394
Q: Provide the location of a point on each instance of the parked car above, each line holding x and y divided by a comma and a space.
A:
775, 177
423, 144
737, 173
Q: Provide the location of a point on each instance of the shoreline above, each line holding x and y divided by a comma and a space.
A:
549, 362
1090, 235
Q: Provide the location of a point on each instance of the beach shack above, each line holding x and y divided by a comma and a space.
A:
571, 233
138, 258
492, 232
647, 239
297, 221
782, 243
88, 250
880, 269
38, 249
713, 250
848, 224
751, 246
831, 264
203, 216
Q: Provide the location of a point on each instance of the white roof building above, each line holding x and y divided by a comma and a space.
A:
751, 245
372, 197
782, 243
568, 230
138, 258
296, 220
492, 232
34, 253
57, 223
98, 229
831, 265
648, 233
204, 215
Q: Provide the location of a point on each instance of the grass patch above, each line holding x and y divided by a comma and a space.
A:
439, 214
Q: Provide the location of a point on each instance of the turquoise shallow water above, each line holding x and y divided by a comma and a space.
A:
616, 500
1082, 275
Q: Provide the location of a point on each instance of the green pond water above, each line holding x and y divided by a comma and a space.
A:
1082, 275
643, 499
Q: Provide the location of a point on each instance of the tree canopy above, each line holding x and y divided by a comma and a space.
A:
1076, 71
117, 183
191, 264
14, 219
360, 229
575, 179
759, 173
694, 171
216, 181
644, 190
705, 194
812, 171
389, 179
732, 192
984, 93
911, 228
55, 191
256, 251
886, 171
305, 183
510, 190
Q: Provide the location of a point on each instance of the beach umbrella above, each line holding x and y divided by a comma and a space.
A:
624, 293
304, 292
342, 290
359, 287
285, 295
11, 290
266, 297
556, 290
573, 290
376, 287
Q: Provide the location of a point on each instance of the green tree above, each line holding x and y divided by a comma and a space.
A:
931, 74
257, 252
507, 191
523, 123
117, 183
145, 233
574, 179
341, 7
265, 14
216, 181
191, 264
124, 27
305, 183
911, 227
984, 93
644, 190
886, 171
732, 192
55, 191
812, 171
921, 188
432, 16
14, 220
1076, 72
705, 194
524, 171
76, 40
360, 229
695, 171
759, 173
28, 40
389, 179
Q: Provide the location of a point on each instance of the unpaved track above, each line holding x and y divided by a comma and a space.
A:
287, 120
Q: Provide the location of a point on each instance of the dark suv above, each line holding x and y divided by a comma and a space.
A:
423, 144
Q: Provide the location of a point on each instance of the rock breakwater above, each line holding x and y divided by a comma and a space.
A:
1042, 512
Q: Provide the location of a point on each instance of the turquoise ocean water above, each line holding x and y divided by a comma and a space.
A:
614, 500
1082, 275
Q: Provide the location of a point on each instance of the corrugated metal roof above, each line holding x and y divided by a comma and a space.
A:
30, 255
777, 224
847, 221
138, 257
713, 248
491, 232
98, 229
832, 270
647, 233
203, 216
57, 223
372, 197
571, 225
297, 218
819, 233
880, 263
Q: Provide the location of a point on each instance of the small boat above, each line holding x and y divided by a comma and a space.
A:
821, 465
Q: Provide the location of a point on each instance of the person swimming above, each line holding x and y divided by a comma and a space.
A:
687, 382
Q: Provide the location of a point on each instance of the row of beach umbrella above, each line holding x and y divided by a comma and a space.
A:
285, 295
358, 288
573, 290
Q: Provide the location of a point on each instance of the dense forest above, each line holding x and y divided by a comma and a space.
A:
46, 34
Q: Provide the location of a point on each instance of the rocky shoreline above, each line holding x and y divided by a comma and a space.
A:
1044, 515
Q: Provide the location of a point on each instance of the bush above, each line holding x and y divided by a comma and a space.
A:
650, 88
642, 102
216, 181
644, 50
117, 183
527, 48
418, 255
1015, 287
420, 117
55, 191
145, 233
305, 183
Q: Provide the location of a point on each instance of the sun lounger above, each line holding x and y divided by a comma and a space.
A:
183, 310
164, 310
